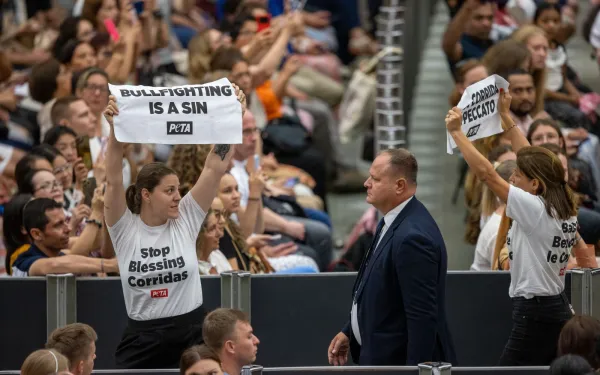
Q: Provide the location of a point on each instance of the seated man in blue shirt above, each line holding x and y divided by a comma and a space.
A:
468, 33
45, 222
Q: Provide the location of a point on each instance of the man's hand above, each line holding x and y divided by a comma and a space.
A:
257, 183
98, 201
80, 213
338, 350
292, 65
81, 171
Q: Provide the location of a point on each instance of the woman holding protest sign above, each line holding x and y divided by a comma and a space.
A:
540, 240
153, 231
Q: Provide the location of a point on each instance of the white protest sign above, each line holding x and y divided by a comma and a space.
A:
480, 112
190, 114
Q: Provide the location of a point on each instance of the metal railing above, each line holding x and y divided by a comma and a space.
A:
421, 369
280, 306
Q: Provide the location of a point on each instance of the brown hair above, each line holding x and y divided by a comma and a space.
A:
404, 162
543, 165
219, 325
225, 58
5, 67
203, 230
522, 35
459, 77
581, 336
44, 362
489, 201
195, 354
73, 341
42, 80
546, 122
187, 161
91, 8
498, 151
505, 56
60, 108
148, 178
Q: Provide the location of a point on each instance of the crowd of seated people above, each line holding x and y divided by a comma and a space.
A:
56, 61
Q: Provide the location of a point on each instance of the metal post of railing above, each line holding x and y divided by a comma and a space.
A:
252, 370
435, 368
242, 281
227, 289
235, 290
390, 129
581, 291
61, 301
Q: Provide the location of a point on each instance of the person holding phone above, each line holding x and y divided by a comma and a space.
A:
153, 231
541, 237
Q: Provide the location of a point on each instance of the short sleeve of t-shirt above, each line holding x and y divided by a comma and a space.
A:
526, 209
23, 265
121, 231
191, 216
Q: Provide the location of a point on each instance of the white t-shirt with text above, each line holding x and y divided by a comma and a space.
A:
158, 265
539, 246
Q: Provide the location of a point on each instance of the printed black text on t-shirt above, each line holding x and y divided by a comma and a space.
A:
159, 262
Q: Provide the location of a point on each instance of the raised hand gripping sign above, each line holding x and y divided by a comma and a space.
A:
190, 114
480, 112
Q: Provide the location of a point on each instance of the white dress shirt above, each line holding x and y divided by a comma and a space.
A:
239, 172
388, 219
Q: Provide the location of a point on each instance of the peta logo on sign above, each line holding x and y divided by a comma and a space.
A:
159, 293
473, 131
179, 127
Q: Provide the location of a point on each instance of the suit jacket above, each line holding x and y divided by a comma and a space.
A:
401, 299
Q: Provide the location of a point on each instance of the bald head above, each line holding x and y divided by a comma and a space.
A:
403, 163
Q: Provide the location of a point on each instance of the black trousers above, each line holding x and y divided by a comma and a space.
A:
537, 323
158, 344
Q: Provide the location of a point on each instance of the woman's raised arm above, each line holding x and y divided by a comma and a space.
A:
114, 198
217, 163
483, 169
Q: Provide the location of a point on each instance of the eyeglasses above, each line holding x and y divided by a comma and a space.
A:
249, 132
63, 168
93, 88
49, 185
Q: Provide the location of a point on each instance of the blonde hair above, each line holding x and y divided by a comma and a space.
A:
199, 55
489, 201
44, 362
188, 163
522, 35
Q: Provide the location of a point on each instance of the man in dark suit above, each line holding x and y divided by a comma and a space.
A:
398, 314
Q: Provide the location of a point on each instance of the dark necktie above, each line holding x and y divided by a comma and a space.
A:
370, 251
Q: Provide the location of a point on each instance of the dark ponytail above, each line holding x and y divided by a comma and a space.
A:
133, 199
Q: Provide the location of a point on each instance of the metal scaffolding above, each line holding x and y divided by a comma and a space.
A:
390, 125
